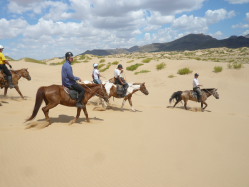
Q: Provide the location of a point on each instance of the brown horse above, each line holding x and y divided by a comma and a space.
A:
16, 75
133, 88
191, 95
55, 94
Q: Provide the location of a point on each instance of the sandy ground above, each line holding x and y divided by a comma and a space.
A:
156, 146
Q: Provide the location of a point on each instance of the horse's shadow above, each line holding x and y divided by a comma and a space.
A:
114, 108
191, 109
66, 119
42, 123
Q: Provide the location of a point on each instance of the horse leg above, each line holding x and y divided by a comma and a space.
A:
46, 110
5, 91
205, 105
123, 103
185, 104
86, 114
176, 103
133, 109
76, 117
18, 90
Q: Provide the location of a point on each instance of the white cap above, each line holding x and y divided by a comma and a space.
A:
95, 65
1, 47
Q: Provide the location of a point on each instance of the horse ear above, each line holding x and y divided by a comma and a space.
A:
143, 83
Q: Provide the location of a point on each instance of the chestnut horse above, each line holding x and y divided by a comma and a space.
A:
191, 95
111, 90
55, 94
16, 75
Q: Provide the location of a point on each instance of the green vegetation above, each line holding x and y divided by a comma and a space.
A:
217, 69
115, 63
130, 61
161, 66
235, 65
101, 65
106, 68
9, 58
102, 61
184, 71
34, 60
133, 67
142, 71
171, 76
147, 60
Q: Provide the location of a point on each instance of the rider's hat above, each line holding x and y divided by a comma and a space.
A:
68, 54
1, 47
120, 66
196, 74
95, 65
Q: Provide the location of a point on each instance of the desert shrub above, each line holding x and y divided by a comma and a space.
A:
160, 66
115, 63
133, 67
102, 61
101, 65
142, 71
217, 69
184, 71
34, 61
147, 60
130, 61
106, 68
235, 65
171, 76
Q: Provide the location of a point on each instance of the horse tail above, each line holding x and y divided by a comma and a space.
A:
38, 101
176, 96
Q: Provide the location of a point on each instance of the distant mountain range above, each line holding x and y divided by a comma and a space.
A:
189, 42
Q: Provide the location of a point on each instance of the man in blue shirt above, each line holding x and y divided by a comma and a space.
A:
69, 80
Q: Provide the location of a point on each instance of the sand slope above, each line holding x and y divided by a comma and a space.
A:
155, 146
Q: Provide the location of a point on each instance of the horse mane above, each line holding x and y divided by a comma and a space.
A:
207, 89
89, 85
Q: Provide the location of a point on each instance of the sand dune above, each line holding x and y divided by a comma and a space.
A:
155, 146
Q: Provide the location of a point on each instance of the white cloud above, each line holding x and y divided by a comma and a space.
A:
238, 1
214, 16
12, 28
191, 24
247, 16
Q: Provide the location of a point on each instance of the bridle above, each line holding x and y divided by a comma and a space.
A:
98, 95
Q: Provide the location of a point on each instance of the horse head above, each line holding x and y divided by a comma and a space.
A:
143, 89
102, 93
25, 74
215, 93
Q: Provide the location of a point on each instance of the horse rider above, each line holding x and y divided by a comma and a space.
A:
3, 66
196, 87
119, 79
69, 80
96, 75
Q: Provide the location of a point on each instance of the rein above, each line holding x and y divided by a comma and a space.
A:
92, 91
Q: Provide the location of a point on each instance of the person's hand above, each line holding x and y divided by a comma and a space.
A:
10, 66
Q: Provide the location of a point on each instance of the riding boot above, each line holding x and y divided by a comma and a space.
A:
79, 103
11, 85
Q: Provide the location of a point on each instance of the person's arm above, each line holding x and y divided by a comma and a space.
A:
70, 74
7, 62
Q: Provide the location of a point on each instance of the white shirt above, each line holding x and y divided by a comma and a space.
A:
117, 73
195, 83
95, 74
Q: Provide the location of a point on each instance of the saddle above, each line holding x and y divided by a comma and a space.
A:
3, 79
72, 93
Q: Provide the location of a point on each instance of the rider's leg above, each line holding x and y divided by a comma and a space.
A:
9, 76
81, 92
199, 96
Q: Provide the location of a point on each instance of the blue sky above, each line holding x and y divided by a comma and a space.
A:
44, 29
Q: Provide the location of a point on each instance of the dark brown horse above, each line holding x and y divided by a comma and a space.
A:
55, 94
191, 95
133, 88
16, 75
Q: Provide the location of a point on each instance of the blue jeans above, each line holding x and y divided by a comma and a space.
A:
97, 81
